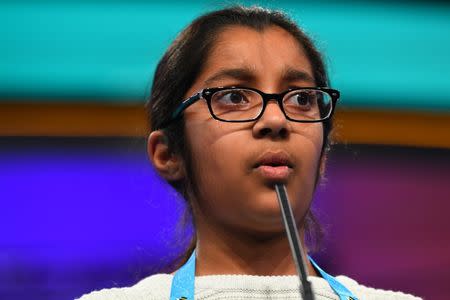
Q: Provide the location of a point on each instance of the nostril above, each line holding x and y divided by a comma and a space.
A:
283, 132
265, 131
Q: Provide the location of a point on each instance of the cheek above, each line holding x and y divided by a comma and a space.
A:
311, 133
215, 150
217, 169
308, 145
211, 146
311, 140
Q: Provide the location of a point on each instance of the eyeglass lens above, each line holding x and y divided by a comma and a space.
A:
244, 104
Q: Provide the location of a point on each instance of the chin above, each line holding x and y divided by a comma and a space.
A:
265, 231
265, 214
266, 209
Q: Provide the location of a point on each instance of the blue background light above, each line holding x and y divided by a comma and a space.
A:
380, 54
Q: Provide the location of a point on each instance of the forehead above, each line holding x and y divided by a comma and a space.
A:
267, 53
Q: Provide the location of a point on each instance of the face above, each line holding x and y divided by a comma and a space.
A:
236, 165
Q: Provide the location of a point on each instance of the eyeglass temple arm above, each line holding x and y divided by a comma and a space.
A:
185, 104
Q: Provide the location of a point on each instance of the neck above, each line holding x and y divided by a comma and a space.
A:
223, 251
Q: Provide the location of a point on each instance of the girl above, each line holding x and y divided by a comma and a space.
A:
240, 102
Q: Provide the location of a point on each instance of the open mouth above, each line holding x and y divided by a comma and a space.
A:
274, 166
274, 159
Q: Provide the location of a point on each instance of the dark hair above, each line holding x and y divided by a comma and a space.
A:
182, 63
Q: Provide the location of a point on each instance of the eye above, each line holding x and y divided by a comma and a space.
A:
231, 97
302, 99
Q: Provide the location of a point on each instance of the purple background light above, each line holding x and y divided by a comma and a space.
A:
84, 214
71, 207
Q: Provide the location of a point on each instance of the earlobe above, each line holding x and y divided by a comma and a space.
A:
169, 165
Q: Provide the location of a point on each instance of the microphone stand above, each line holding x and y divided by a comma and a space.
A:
294, 241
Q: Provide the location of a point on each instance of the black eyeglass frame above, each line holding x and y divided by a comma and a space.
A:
207, 93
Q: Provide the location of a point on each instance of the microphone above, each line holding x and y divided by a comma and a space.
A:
294, 241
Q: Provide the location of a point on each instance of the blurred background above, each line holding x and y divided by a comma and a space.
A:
82, 209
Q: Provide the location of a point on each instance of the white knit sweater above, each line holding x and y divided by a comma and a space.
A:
157, 287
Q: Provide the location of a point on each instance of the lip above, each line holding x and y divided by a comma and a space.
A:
274, 166
270, 158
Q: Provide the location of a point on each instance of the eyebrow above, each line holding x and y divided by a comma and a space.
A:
246, 74
291, 74
241, 74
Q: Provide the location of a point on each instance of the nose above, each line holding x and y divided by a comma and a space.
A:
272, 123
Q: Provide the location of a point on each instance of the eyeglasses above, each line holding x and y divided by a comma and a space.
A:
242, 104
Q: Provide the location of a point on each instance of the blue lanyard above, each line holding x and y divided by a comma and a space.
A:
338, 288
183, 282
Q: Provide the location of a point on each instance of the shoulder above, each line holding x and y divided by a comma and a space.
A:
368, 293
151, 288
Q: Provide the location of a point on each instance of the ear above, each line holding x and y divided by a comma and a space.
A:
169, 165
